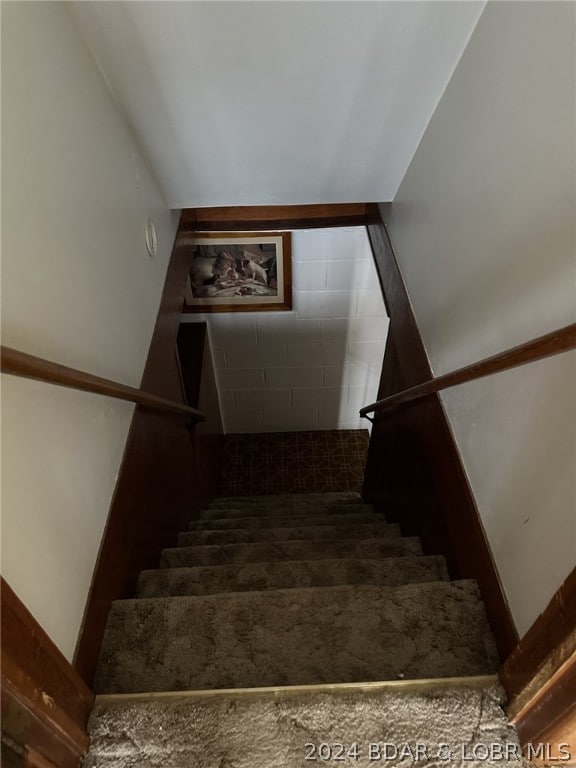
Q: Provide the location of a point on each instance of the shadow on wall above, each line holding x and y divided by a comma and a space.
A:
312, 368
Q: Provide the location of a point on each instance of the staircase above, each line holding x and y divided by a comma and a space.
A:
279, 592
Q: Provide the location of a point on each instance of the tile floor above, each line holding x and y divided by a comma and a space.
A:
294, 462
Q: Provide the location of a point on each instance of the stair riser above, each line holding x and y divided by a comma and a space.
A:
322, 498
290, 574
229, 554
227, 524
251, 510
287, 521
296, 637
310, 533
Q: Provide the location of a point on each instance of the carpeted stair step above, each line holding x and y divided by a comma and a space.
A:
288, 574
307, 533
296, 637
287, 499
271, 729
229, 554
265, 510
234, 523
291, 503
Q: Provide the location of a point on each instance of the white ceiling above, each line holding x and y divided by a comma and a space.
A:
253, 103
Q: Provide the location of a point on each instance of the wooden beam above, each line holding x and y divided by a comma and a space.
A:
268, 217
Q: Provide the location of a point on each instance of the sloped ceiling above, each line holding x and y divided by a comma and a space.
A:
254, 103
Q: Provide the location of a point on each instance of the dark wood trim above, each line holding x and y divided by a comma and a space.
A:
12, 755
190, 349
46, 704
414, 469
411, 361
550, 718
22, 727
31, 367
554, 343
547, 647
167, 472
246, 218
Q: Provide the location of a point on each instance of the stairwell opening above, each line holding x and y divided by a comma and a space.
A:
314, 367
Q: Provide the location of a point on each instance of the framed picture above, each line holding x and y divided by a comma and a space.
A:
239, 272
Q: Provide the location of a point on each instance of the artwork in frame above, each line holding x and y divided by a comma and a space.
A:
239, 272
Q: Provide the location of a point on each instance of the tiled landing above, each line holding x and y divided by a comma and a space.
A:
294, 462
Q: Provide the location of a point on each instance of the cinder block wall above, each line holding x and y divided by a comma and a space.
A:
315, 367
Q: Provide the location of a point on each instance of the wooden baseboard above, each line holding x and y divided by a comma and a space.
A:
540, 674
45, 703
549, 718
414, 468
553, 632
167, 472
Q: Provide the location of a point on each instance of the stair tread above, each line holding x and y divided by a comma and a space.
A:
296, 637
307, 533
285, 510
288, 574
289, 497
269, 729
234, 523
223, 554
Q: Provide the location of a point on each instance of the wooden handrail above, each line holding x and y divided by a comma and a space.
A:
31, 367
562, 340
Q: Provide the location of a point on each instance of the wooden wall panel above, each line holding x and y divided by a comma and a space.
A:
550, 717
164, 477
45, 702
414, 469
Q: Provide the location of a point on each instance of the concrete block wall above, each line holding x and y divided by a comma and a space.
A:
314, 367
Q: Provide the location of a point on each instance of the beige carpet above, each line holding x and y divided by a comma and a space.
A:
296, 637
452, 726
327, 593
297, 604
258, 577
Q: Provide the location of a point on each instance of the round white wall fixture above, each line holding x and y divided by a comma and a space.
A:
151, 238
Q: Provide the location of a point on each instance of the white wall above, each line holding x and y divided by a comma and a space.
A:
78, 288
484, 228
315, 367
255, 103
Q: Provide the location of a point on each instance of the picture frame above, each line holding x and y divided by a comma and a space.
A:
239, 272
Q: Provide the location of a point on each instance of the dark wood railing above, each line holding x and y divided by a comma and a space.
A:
31, 367
555, 343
